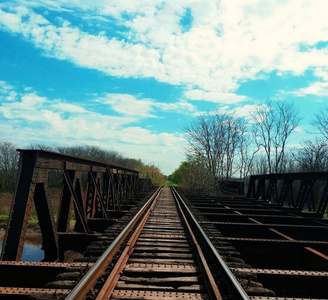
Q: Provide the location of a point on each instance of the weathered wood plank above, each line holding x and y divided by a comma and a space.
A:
191, 288
165, 240
178, 280
179, 261
161, 249
163, 244
161, 255
160, 268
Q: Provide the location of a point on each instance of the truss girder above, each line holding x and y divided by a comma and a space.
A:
88, 189
302, 191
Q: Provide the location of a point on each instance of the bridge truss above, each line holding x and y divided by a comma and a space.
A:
302, 191
92, 195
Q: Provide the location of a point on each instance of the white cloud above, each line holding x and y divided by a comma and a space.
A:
182, 107
229, 42
12, 21
317, 88
12, 96
244, 111
5, 87
299, 129
67, 107
31, 118
218, 97
128, 105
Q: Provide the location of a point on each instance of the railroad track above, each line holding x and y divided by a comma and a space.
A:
161, 260
157, 255
175, 248
275, 252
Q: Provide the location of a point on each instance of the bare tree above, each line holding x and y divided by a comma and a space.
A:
312, 157
8, 166
95, 153
217, 139
321, 122
247, 152
260, 165
37, 146
273, 125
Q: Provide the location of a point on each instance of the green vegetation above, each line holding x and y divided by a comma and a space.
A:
191, 175
177, 176
169, 183
151, 172
4, 217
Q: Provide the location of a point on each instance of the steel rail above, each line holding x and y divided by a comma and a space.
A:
234, 287
213, 290
90, 278
113, 277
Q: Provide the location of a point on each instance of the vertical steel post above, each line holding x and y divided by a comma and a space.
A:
21, 208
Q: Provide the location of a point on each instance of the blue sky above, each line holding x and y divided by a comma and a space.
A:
130, 75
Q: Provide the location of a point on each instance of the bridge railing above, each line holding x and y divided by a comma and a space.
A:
231, 187
88, 189
303, 191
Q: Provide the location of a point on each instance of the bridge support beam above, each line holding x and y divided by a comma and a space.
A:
89, 190
311, 190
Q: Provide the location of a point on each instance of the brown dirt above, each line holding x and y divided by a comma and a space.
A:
5, 202
33, 227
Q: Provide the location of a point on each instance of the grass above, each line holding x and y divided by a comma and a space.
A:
169, 183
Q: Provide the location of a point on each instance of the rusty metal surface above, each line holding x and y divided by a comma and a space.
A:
283, 250
281, 272
163, 238
281, 298
91, 277
209, 279
16, 291
111, 280
280, 189
273, 251
45, 264
89, 189
154, 295
157, 262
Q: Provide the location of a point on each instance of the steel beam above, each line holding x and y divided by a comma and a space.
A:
280, 188
109, 188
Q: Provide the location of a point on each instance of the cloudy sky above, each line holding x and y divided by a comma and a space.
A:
130, 75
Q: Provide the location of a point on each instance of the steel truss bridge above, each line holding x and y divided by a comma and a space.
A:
115, 236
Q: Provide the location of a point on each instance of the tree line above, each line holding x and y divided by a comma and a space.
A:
9, 158
222, 146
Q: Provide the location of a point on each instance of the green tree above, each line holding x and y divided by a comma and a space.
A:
177, 175
151, 172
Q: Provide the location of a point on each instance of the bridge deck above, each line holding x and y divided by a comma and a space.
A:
272, 252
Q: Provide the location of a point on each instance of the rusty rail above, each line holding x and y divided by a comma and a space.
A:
111, 281
109, 285
232, 283
91, 277
209, 279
